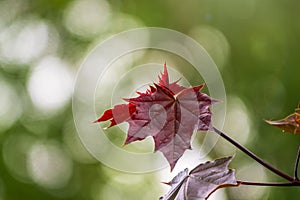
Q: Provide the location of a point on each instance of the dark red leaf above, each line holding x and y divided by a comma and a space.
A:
168, 112
290, 124
202, 181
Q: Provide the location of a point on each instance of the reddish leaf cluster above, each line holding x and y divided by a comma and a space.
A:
290, 124
168, 112
202, 181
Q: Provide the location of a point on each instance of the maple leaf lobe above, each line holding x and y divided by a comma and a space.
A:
118, 114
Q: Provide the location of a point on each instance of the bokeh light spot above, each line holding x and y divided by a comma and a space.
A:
50, 84
214, 41
10, 105
87, 18
74, 146
49, 165
24, 41
250, 172
238, 123
9, 10
15, 150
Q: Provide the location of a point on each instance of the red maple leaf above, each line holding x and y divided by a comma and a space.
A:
168, 112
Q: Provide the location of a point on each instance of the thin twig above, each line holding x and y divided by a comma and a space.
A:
296, 166
253, 156
268, 184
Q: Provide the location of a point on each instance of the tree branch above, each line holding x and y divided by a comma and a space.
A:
296, 166
253, 156
268, 184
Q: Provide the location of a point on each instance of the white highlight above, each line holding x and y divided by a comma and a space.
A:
24, 41
87, 18
50, 85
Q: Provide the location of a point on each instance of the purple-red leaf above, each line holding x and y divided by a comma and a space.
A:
202, 181
290, 124
168, 112
175, 184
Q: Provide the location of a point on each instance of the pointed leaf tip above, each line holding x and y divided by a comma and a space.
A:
290, 123
118, 114
164, 77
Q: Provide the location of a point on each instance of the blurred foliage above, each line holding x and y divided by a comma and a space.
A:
254, 43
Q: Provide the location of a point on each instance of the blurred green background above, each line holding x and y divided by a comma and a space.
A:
255, 45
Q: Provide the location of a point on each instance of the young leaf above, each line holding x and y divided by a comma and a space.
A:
202, 181
175, 184
168, 112
290, 124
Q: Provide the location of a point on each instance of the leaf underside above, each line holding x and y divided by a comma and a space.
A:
202, 181
168, 112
